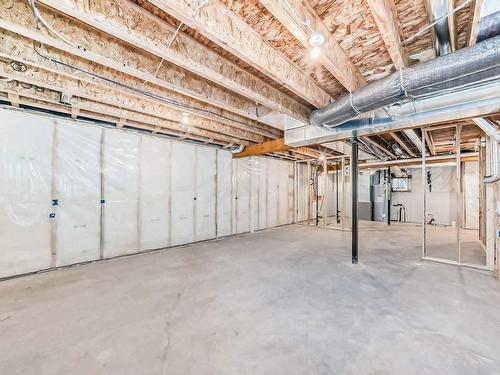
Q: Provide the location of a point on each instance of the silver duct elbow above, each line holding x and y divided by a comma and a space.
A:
495, 165
494, 133
238, 149
491, 179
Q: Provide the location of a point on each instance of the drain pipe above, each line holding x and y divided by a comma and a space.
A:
491, 131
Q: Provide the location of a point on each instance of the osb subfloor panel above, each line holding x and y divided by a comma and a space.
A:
281, 301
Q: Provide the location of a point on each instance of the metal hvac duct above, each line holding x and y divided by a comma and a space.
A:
443, 32
489, 26
445, 74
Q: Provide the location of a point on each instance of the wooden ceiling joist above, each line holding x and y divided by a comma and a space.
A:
116, 63
53, 105
27, 55
475, 19
400, 142
217, 23
333, 57
153, 35
385, 14
408, 162
104, 112
57, 83
386, 151
108, 63
430, 143
307, 152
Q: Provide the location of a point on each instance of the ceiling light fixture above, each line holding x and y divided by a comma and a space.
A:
316, 39
315, 52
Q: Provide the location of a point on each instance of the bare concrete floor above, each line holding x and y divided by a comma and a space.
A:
281, 301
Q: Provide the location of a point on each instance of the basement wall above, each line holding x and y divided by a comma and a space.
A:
74, 192
442, 199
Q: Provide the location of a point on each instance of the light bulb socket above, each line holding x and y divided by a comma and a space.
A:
316, 39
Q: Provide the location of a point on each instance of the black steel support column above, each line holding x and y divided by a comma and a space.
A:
337, 171
389, 193
316, 179
354, 208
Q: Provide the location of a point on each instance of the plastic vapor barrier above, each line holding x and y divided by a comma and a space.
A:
77, 188
183, 192
73, 191
224, 194
25, 194
205, 204
154, 220
471, 195
262, 194
120, 193
241, 183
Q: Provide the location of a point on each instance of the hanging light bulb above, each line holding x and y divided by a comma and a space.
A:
315, 52
315, 41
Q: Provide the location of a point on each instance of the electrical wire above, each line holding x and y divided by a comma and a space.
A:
165, 100
420, 32
34, 10
168, 47
306, 23
39, 18
162, 99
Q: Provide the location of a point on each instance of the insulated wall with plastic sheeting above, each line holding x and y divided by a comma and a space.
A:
25, 194
120, 187
73, 191
154, 219
77, 188
224, 193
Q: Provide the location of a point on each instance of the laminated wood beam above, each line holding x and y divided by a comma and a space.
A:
333, 57
24, 52
386, 17
113, 57
264, 148
48, 100
273, 146
217, 23
131, 24
50, 81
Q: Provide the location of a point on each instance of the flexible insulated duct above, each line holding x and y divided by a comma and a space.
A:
446, 73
